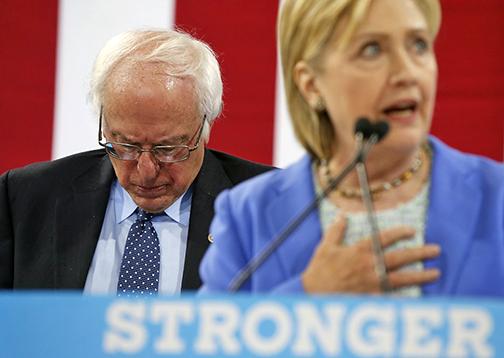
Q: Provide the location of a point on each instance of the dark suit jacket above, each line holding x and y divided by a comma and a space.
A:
51, 216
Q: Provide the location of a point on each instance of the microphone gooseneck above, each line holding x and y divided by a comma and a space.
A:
379, 131
366, 134
381, 269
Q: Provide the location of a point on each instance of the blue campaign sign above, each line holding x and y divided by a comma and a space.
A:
71, 325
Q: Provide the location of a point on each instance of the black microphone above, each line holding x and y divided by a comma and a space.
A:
377, 132
364, 126
364, 129
381, 129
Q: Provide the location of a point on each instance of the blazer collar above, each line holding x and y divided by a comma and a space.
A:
211, 180
78, 221
451, 216
293, 194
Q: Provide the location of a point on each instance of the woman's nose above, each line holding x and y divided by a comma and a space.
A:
403, 70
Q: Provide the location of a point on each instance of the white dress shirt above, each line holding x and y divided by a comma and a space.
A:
171, 228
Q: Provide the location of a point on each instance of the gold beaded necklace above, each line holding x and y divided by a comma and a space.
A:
350, 193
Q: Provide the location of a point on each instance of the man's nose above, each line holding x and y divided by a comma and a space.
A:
147, 165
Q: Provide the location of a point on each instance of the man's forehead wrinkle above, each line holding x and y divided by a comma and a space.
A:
130, 74
133, 73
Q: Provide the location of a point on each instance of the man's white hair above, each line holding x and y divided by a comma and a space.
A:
181, 55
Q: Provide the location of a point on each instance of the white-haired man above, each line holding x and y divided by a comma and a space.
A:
133, 217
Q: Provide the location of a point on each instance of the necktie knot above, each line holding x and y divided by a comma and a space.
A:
143, 216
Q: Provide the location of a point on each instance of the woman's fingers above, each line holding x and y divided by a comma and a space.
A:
406, 278
391, 236
335, 232
335, 267
402, 257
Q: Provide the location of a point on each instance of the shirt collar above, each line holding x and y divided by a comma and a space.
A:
125, 206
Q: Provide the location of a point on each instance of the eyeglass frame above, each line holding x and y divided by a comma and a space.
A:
140, 150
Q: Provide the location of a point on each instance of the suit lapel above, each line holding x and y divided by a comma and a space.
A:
211, 180
78, 221
453, 211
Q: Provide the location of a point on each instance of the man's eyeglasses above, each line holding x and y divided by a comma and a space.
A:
163, 153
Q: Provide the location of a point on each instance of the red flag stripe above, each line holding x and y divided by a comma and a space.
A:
470, 93
242, 33
27, 65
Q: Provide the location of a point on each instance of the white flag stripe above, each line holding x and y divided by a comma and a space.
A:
286, 148
84, 27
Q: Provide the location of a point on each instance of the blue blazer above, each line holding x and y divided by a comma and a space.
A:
465, 217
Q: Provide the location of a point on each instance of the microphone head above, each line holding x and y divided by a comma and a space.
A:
381, 129
364, 126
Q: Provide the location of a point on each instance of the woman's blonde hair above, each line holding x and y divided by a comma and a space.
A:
304, 30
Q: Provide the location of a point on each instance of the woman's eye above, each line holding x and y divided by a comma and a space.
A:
370, 50
421, 46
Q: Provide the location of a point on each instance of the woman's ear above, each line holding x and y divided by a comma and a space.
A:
306, 81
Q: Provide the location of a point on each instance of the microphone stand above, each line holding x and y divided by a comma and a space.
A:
244, 274
381, 269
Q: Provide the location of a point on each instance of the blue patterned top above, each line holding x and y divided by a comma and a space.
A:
411, 213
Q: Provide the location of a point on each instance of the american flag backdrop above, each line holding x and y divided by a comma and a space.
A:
47, 49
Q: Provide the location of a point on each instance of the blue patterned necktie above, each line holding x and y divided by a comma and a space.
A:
139, 274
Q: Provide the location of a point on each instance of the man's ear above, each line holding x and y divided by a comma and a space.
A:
306, 81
